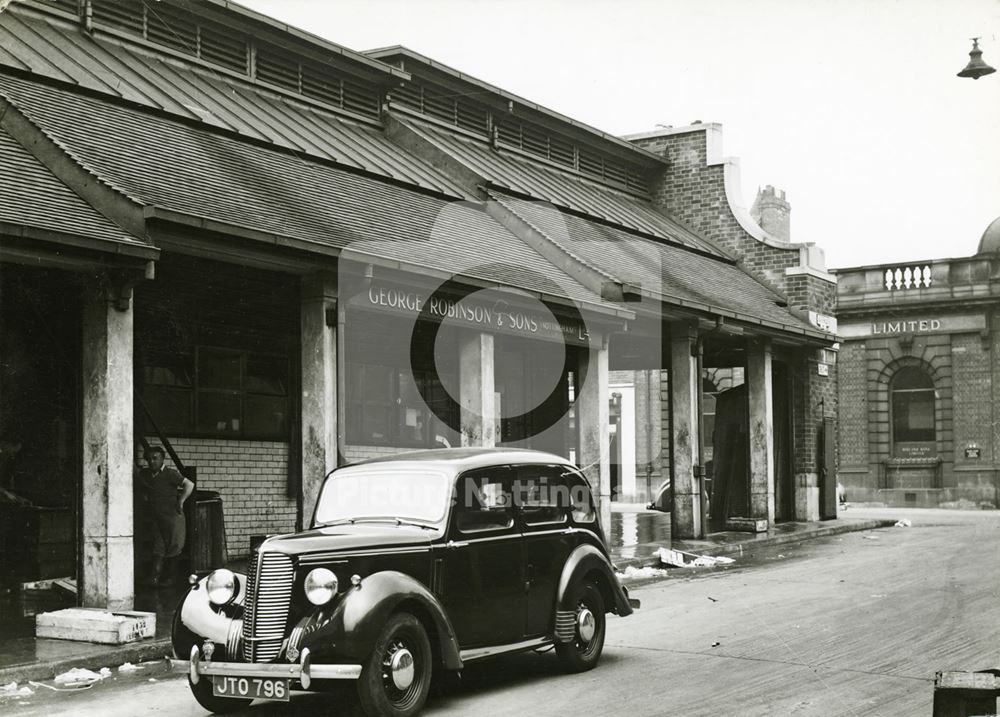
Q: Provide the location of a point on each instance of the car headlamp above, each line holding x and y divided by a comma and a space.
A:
221, 586
320, 586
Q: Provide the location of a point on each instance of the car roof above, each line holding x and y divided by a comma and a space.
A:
462, 459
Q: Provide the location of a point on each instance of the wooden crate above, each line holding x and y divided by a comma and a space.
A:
96, 625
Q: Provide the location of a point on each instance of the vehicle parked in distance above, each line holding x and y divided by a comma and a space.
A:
416, 563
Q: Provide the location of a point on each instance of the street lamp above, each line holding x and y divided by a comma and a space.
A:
976, 67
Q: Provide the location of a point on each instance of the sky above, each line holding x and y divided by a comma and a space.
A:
852, 107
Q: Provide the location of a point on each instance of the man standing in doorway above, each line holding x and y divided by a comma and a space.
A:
166, 492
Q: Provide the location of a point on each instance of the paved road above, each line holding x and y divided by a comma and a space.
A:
848, 625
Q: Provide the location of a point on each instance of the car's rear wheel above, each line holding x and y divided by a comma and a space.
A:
584, 650
219, 705
397, 676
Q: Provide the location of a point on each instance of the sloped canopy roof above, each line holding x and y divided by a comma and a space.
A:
183, 172
507, 170
665, 272
38, 206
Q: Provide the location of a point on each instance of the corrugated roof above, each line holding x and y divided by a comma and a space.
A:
187, 170
670, 273
34, 199
508, 170
61, 51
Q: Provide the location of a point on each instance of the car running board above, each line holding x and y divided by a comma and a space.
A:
479, 653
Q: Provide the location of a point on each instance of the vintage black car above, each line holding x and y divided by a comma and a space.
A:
415, 564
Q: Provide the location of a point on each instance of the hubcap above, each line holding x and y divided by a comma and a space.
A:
585, 624
401, 668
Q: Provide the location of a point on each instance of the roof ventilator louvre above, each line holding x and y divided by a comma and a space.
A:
171, 28
224, 49
360, 99
319, 84
278, 70
130, 17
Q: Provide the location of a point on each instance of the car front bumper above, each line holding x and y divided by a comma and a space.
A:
303, 670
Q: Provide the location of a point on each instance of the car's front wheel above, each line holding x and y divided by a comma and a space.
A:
584, 650
217, 705
397, 676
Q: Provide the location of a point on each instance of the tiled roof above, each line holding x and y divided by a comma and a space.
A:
508, 170
672, 274
187, 170
35, 202
61, 51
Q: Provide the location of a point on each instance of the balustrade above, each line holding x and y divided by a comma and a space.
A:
907, 277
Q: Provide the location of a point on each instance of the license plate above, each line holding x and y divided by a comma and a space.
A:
250, 688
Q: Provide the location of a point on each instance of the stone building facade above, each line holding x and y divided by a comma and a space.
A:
920, 380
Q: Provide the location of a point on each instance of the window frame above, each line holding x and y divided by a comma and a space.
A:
926, 445
197, 392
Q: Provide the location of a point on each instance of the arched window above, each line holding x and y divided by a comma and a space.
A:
912, 407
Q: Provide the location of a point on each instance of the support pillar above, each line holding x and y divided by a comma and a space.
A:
761, 400
107, 579
592, 421
685, 386
476, 390
318, 316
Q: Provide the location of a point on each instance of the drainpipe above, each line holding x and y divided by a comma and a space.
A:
699, 469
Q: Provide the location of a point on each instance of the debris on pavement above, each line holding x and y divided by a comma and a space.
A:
77, 678
869, 537
11, 690
633, 573
903, 523
716, 644
128, 667
712, 598
681, 559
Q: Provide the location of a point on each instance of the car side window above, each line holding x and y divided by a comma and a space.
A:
484, 501
542, 494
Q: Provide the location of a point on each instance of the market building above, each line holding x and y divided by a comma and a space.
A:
275, 255
920, 380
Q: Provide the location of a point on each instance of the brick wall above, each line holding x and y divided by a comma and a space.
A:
251, 477
853, 404
694, 192
972, 393
352, 454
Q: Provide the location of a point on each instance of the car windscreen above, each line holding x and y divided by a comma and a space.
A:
376, 492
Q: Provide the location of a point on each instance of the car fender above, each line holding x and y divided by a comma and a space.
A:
197, 616
586, 559
360, 614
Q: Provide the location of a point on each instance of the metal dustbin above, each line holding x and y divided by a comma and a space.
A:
207, 532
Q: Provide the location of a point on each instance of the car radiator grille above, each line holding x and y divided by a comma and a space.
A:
265, 612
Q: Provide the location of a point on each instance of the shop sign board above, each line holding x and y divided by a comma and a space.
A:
915, 450
487, 310
914, 325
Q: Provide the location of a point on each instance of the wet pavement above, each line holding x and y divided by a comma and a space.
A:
636, 535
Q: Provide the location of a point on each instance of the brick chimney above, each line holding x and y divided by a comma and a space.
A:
772, 213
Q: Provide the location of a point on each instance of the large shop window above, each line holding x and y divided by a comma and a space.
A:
912, 407
386, 407
219, 392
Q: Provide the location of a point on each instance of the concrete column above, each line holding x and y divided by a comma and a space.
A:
319, 385
592, 427
107, 571
476, 390
760, 393
685, 385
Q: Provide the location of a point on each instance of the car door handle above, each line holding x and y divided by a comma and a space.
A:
451, 544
